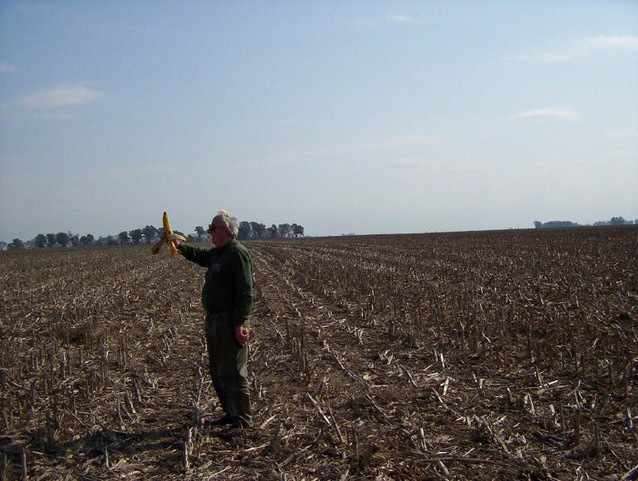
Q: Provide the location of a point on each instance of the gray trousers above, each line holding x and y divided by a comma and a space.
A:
227, 362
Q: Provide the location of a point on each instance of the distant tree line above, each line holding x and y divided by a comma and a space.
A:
255, 230
150, 235
556, 224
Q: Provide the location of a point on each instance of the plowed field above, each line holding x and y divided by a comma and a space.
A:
463, 356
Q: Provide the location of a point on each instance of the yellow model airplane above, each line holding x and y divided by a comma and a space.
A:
169, 237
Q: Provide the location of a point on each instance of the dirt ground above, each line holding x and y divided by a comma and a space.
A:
468, 356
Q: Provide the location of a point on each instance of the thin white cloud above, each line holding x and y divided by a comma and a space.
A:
60, 97
399, 18
547, 113
580, 49
550, 57
623, 43
405, 19
5, 67
619, 136
392, 145
405, 162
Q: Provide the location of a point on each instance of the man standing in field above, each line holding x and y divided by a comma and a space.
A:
227, 299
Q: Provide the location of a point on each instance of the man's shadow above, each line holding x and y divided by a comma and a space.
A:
15, 451
105, 442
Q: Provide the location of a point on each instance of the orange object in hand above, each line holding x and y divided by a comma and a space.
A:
169, 237
168, 231
242, 335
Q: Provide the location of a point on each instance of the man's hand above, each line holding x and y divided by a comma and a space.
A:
242, 334
176, 238
173, 240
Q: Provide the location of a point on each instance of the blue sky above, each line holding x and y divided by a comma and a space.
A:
353, 116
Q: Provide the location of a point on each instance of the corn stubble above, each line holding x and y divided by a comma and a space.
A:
488, 355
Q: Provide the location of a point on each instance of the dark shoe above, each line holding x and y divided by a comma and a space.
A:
240, 424
224, 420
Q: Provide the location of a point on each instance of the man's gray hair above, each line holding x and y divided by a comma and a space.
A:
230, 221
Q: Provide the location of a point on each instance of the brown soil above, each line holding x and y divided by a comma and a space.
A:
467, 356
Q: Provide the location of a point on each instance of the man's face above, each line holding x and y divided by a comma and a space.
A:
219, 232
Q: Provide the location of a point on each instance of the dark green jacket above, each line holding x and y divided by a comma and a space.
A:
228, 286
